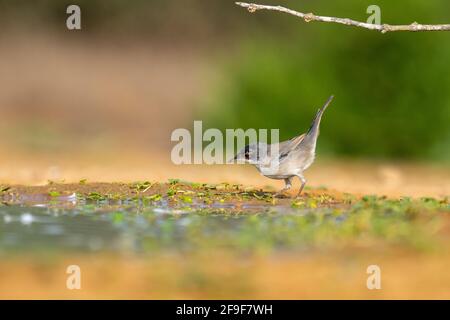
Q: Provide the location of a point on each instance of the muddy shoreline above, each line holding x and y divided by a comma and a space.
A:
174, 192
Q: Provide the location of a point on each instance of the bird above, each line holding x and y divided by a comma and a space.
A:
285, 160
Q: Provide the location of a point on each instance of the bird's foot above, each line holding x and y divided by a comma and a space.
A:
300, 195
281, 195
303, 195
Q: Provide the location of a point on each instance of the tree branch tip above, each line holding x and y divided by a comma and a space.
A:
383, 28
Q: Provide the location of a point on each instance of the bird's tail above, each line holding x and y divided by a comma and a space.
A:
313, 132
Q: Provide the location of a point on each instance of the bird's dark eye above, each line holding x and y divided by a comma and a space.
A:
247, 152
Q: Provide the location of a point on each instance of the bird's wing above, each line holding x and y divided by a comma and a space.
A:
287, 146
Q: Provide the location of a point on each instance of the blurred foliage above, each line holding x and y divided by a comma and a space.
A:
391, 90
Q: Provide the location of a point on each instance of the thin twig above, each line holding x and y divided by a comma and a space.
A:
308, 17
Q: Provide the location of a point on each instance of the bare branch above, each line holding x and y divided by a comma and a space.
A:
383, 28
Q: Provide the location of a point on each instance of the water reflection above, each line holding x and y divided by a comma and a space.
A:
133, 227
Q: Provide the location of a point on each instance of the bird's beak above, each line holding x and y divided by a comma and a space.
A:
232, 160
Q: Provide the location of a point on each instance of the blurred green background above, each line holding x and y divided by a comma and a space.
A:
272, 70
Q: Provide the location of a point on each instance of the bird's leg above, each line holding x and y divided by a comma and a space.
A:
303, 180
287, 186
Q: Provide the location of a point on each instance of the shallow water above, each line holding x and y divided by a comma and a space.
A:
41, 223
131, 227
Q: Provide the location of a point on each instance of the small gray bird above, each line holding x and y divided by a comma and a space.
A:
287, 159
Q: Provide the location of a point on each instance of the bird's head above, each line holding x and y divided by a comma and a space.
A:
248, 154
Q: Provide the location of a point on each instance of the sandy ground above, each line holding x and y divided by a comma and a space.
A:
337, 275
392, 179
